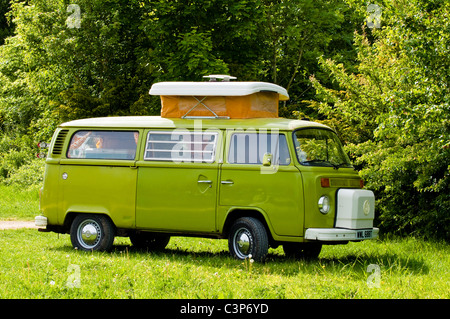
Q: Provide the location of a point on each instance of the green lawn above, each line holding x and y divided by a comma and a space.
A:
44, 265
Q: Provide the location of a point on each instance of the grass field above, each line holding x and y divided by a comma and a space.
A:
44, 265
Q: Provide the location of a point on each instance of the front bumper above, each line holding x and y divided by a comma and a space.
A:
340, 234
40, 221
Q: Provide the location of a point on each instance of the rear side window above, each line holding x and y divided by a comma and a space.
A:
181, 146
117, 145
249, 148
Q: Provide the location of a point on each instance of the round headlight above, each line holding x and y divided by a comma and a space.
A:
324, 204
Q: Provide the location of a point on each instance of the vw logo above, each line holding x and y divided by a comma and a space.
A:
366, 207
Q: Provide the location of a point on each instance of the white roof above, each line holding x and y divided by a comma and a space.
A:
131, 122
223, 88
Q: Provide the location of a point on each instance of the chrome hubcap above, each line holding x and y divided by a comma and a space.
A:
89, 233
242, 243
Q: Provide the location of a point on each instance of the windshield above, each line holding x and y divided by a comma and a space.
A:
319, 147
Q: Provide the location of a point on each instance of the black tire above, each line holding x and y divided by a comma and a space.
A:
150, 241
92, 232
248, 236
306, 251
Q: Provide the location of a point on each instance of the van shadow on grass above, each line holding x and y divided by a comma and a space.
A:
278, 263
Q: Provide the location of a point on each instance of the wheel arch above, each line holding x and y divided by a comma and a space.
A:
237, 213
70, 216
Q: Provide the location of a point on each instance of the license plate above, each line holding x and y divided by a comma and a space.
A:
363, 234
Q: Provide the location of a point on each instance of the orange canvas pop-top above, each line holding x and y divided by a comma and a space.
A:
238, 100
257, 105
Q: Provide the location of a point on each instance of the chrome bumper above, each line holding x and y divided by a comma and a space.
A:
40, 221
340, 234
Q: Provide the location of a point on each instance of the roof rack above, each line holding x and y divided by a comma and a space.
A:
223, 77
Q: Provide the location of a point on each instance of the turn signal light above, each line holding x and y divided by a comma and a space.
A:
325, 182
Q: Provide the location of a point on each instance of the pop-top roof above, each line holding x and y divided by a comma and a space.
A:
223, 88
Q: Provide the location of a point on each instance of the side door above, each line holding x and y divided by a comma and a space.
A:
177, 181
275, 190
98, 174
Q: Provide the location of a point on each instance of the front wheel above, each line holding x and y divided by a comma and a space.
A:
248, 237
92, 232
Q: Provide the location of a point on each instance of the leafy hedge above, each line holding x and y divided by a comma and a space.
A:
394, 113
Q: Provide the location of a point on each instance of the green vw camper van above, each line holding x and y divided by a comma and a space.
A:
217, 163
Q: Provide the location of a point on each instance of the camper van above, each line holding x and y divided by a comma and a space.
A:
217, 163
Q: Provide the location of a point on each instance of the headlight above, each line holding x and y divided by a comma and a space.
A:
324, 204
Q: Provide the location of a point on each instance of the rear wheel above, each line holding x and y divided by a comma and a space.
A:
248, 237
92, 232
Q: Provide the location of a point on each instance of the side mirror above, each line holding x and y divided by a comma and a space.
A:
267, 159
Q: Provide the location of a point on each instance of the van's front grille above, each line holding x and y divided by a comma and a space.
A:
345, 182
59, 142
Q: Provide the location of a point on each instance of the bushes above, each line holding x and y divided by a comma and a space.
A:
28, 175
394, 114
18, 166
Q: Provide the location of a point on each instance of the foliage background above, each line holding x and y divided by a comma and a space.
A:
384, 90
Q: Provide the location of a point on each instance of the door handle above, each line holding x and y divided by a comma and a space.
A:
227, 182
205, 181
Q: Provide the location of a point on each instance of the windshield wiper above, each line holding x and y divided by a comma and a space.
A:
335, 166
319, 161
344, 165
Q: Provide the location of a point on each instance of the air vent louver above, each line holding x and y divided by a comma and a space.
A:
59, 143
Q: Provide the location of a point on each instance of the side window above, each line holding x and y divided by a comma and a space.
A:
119, 145
249, 148
181, 146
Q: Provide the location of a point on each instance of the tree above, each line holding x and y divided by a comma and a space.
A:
87, 58
394, 113
297, 34
276, 41
56, 69
196, 38
6, 28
